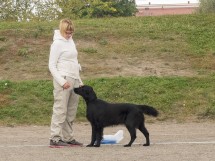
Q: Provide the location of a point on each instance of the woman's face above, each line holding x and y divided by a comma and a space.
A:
68, 34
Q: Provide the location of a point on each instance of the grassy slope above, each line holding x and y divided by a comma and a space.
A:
30, 102
188, 38
179, 37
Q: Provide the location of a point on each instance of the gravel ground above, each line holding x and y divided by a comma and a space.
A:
169, 141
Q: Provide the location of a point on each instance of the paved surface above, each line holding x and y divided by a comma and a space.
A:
170, 141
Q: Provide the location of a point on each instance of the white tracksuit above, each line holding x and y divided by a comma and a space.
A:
64, 67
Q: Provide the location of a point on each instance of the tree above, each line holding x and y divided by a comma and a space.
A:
18, 10
7, 10
70, 8
27, 10
47, 10
96, 8
207, 6
110, 8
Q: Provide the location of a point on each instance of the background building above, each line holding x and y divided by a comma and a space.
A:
165, 7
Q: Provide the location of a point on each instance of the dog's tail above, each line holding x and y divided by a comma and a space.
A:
148, 110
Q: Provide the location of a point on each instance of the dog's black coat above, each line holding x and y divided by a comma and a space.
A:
102, 114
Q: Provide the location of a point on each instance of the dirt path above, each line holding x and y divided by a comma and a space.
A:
170, 141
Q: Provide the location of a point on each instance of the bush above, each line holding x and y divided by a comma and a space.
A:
207, 6
108, 8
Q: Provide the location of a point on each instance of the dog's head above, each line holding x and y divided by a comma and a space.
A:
86, 92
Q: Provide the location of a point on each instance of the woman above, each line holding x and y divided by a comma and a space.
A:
64, 67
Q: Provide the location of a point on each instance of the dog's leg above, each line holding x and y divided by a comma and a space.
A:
99, 135
93, 137
145, 132
132, 132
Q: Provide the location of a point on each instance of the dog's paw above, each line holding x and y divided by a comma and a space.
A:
96, 145
127, 145
146, 144
89, 145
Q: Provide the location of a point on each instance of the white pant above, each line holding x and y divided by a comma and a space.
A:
64, 110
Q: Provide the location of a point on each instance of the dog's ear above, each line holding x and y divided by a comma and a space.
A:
90, 95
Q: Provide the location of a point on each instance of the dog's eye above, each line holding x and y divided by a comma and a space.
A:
87, 92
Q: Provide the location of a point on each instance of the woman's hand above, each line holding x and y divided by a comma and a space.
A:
66, 85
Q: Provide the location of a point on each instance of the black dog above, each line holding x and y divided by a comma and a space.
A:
102, 114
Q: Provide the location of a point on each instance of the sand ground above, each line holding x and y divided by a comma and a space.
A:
169, 141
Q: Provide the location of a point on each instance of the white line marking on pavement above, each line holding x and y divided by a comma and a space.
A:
20, 146
192, 142
161, 143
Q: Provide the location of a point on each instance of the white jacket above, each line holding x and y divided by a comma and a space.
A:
63, 59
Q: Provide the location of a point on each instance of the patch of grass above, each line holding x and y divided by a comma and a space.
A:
24, 52
2, 38
89, 50
209, 112
103, 42
3, 49
30, 102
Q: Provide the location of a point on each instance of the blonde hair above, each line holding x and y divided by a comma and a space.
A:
66, 25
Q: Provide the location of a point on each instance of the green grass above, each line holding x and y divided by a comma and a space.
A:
178, 37
30, 102
24, 50
26, 102
198, 29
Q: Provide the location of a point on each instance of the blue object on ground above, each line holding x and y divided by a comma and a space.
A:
113, 139
108, 142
